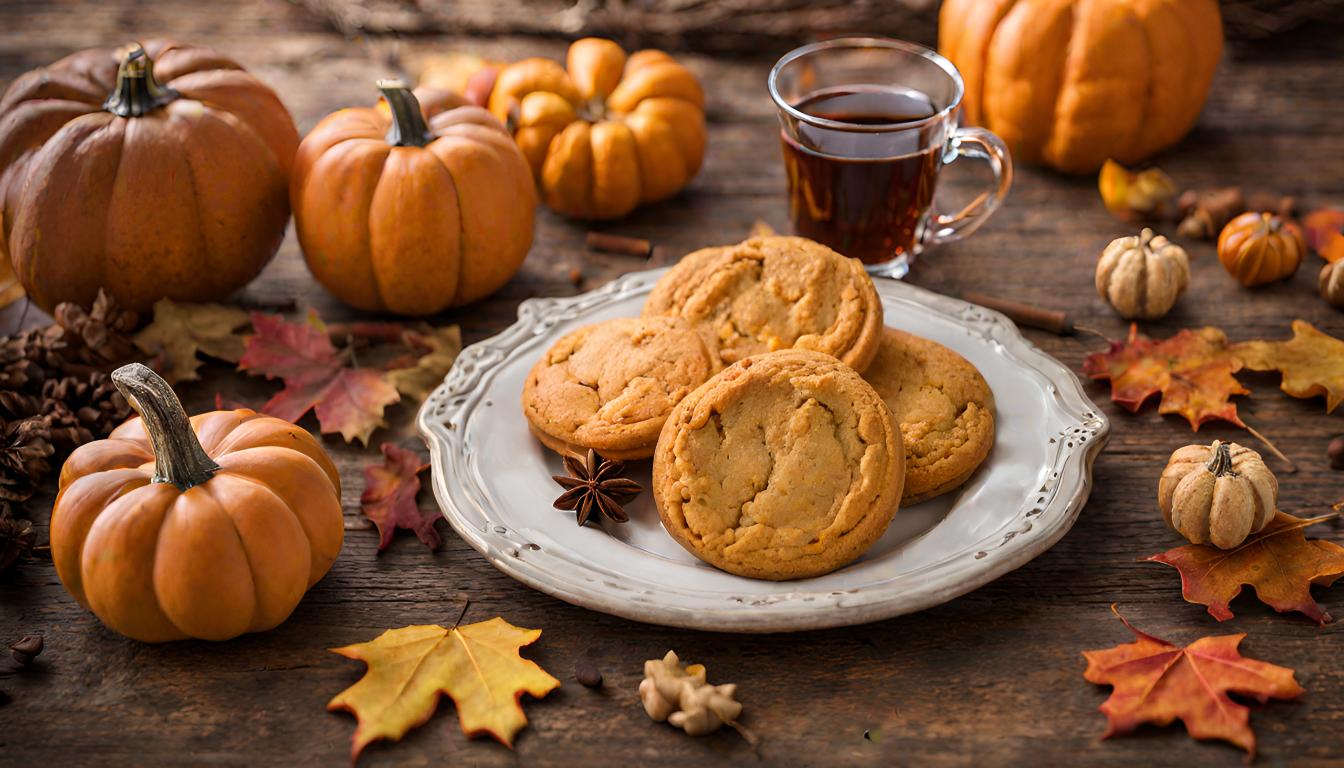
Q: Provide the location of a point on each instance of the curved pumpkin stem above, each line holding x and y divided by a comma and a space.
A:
178, 456
1220, 463
137, 92
408, 121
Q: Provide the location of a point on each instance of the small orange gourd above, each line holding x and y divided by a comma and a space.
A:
1260, 248
203, 528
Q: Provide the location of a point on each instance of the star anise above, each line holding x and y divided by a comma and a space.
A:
596, 486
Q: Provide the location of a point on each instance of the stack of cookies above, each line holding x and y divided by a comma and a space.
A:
786, 424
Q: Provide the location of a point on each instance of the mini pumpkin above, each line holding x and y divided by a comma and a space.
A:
1141, 277
396, 213
207, 528
607, 132
160, 171
1331, 283
1217, 494
1260, 248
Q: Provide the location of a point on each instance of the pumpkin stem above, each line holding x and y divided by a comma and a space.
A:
137, 92
408, 121
1145, 237
1220, 463
178, 456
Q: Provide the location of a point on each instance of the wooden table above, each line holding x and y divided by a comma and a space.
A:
994, 677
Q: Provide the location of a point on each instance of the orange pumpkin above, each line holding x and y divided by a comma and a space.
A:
1070, 83
396, 214
1260, 248
206, 528
609, 133
158, 172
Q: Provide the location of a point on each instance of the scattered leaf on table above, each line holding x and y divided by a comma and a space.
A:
1324, 230
1312, 363
389, 497
179, 331
441, 347
317, 376
1192, 370
1279, 563
1157, 682
477, 665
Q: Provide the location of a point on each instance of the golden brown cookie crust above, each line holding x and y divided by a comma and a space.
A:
772, 293
610, 386
784, 466
945, 409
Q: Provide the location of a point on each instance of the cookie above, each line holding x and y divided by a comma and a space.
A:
944, 407
783, 466
772, 293
610, 386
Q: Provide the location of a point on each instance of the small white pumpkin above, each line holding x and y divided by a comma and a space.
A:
1217, 494
1143, 276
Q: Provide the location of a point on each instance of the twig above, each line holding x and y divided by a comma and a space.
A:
1272, 448
466, 604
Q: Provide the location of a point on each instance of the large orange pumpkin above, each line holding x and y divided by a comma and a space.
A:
396, 214
607, 134
206, 528
1070, 83
157, 172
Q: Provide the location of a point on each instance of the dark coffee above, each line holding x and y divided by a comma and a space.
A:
862, 193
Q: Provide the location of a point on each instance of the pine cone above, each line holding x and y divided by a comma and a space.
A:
23, 458
17, 538
76, 410
100, 335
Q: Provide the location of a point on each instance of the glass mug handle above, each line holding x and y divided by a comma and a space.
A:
979, 144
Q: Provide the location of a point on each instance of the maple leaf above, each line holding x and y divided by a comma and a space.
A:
477, 665
1312, 363
1156, 682
1279, 563
1324, 230
1192, 370
180, 331
317, 376
441, 347
389, 497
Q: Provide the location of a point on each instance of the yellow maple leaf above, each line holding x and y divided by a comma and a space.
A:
1312, 362
477, 665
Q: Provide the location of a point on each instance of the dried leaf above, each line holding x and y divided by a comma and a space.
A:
1324, 230
440, 347
1157, 682
1135, 196
317, 376
1279, 563
1312, 363
389, 497
1192, 370
477, 665
180, 331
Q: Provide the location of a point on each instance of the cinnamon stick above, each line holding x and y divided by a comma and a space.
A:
618, 244
1052, 320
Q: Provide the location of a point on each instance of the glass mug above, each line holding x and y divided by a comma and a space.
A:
867, 124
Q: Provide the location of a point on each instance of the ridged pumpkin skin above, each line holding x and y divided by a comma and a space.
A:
1070, 83
607, 133
412, 229
1260, 248
231, 555
1217, 494
186, 201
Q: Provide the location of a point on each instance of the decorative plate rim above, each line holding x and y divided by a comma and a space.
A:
1033, 529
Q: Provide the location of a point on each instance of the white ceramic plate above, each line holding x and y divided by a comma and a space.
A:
493, 482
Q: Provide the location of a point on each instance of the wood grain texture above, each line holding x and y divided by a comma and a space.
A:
993, 678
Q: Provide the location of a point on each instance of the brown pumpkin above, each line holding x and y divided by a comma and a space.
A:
608, 133
157, 172
1069, 83
1331, 283
1260, 248
206, 528
1217, 494
399, 215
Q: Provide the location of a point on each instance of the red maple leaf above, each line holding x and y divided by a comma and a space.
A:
317, 376
389, 497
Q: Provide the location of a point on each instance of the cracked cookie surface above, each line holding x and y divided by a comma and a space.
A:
785, 465
772, 293
945, 409
610, 386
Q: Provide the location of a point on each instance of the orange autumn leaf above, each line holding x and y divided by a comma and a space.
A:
1324, 230
1157, 682
1279, 563
1312, 363
1191, 370
477, 665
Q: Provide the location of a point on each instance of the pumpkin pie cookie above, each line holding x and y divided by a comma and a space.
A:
783, 466
610, 386
944, 407
772, 293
